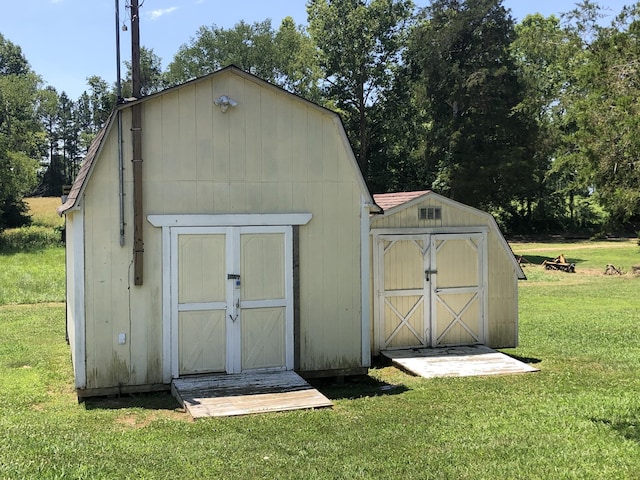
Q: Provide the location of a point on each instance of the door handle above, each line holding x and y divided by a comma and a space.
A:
427, 273
233, 318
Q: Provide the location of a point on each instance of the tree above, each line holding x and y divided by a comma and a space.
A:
21, 135
605, 109
360, 43
102, 101
151, 75
478, 142
12, 61
544, 53
283, 57
298, 70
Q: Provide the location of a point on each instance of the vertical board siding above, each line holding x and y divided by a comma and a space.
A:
273, 153
502, 294
106, 267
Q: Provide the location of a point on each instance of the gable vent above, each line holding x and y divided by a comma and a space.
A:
430, 213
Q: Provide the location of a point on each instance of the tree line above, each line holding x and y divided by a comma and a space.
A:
536, 122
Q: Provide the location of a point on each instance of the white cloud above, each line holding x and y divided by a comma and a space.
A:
156, 14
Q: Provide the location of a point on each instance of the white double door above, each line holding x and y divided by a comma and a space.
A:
430, 290
231, 299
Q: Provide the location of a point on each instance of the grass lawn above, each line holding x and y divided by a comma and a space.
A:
579, 417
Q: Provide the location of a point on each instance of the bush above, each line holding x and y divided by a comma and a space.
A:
30, 238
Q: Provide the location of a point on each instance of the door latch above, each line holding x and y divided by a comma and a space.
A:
236, 279
427, 273
233, 318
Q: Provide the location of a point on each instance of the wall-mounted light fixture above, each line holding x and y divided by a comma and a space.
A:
225, 102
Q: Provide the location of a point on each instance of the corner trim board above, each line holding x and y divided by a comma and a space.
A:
80, 360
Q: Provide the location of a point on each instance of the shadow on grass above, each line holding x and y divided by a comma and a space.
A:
149, 401
353, 387
538, 259
9, 251
627, 428
528, 360
359, 386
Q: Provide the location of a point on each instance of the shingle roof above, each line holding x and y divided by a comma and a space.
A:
85, 168
390, 200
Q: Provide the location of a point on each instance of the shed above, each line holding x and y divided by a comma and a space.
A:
443, 275
255, 227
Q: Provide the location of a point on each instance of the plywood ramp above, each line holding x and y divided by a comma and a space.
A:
464, 361
245, 393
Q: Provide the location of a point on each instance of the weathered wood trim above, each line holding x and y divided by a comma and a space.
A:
76, 282
171, 307
166, 305
375, 251
400, 232
296, 296
338, 372
230, 220
516, 313
289, 289
85, 393
365, 299
484, 276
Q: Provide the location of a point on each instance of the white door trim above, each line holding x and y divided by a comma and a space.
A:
378, 284
75, 280
171, 306
234, 354
481, 289
429, 236
229, 220
169, 222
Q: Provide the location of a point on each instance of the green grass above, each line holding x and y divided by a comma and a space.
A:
44, 231
32, 258
37, 276
592, 256
579, 417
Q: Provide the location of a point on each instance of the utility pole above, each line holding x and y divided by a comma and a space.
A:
136, 132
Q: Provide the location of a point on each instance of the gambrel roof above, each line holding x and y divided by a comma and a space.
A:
392, 203
93, 152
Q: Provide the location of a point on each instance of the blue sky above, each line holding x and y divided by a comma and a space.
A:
66, 41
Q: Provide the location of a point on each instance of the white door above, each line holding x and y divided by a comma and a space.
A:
232, 299
430, 290
201, 302
457, 289
403, 299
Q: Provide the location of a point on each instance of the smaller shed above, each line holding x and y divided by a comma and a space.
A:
443, 275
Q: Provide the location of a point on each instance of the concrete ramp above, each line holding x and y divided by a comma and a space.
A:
464, 361
223, 395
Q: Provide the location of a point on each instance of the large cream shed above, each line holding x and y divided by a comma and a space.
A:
255, 225
442, 275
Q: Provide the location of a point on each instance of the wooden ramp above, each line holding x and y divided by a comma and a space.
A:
457, 362
245, 393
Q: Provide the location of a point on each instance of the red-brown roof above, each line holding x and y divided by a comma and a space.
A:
390, 200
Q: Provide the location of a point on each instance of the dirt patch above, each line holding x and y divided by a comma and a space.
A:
134, 420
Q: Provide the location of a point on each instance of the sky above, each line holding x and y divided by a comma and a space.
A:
67, 41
